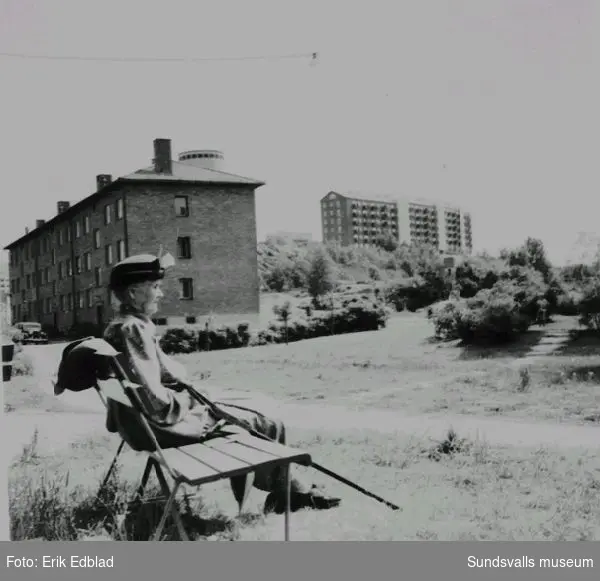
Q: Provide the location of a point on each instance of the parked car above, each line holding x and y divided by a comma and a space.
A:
31, 333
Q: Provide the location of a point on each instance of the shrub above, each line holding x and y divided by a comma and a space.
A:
567, 303
413, 294
179, 340
589, 305
492, 316
21, 363
351, 316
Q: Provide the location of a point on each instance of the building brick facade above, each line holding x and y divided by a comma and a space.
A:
59, 271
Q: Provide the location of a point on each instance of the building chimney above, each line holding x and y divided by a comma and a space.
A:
26, 230
39, 223
103, 180
162, 156
62, 206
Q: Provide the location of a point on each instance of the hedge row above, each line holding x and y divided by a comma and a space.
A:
354, 316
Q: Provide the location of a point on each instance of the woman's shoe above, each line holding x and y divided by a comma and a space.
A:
316, 499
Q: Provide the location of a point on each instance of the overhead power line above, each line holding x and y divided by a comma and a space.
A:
312, 56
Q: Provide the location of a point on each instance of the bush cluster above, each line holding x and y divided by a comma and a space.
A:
21, 363
350, 316
496, 315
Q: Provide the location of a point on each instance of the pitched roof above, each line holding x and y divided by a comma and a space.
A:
181, 171
188, 172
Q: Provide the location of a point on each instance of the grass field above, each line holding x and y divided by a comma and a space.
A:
477, 492
400, 368
448, 490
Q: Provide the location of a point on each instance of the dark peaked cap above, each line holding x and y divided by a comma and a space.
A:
138, 268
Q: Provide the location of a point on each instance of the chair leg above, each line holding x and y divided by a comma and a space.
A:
145, 477
168, 509
112, 467
241, 487
288, 491
167, 492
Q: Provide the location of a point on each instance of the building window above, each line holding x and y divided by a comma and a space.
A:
96, 238
69, 267
86, 225
60, 237
69, 302
80, 300
88, 298
53, 257
78, 264
54, 289
60, 271
187, 289
77, 229
108, 256
97, 276
120, 250
62, 302
47, 275
88, 261
28, 281
119, 209
184, 247
68, 233
181, 206
107, 214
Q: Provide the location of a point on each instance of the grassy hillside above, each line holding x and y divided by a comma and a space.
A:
352, 264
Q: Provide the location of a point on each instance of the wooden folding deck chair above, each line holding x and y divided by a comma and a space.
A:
217, 458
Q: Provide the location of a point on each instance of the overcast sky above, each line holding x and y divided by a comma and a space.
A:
487, 104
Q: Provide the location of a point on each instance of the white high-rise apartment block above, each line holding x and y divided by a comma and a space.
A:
352, 219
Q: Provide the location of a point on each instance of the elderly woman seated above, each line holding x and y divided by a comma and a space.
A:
175, 415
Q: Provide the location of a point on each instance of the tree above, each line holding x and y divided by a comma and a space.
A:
283, 313
320, 276
473, 275
532, 254
276, 278
387, 242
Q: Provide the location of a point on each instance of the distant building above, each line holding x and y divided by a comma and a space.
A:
204, 216
363, 220
5, 318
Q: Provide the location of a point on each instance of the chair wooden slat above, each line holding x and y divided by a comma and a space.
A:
213, 458
240, 451
188, 467
277, 450
194, 472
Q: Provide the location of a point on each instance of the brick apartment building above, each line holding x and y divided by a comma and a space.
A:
203, 216
4, 295
356, 220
